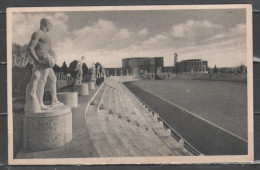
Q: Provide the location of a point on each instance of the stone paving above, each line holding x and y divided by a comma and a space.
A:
119, 125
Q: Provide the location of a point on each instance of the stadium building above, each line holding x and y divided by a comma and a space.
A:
153, 67
142, 65
192, 66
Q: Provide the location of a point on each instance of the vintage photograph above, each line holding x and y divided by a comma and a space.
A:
130, 84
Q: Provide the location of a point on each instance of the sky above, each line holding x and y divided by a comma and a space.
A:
215, 35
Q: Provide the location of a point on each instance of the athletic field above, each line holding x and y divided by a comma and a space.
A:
222, 103
203, 112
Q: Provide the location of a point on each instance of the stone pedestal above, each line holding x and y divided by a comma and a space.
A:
68, 98
82, 89
92, 85
47, 130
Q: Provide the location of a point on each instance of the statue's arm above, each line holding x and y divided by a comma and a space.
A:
77, 67
32, 44
31, 48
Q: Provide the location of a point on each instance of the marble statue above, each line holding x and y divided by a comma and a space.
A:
98, 71
80, 71
43, 59
93, 76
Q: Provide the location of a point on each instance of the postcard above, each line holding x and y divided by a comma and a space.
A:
130, 85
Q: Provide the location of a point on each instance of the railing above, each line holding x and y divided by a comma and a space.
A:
63, 80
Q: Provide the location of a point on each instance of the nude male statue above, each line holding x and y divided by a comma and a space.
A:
79, 69
93, 76
43, 59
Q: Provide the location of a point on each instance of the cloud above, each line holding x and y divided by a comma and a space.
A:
24, 24
237, 31
101, 38
193, 30
108, 43
124, 33
143, 32
158, 41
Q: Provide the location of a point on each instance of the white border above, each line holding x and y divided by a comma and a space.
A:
134, 160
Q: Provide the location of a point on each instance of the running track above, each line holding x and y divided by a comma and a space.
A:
205, 137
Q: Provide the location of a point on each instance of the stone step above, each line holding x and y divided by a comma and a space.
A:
123, 133
120, 120
164, 137
146, 140
115, 142
133, 133
128, 128
98, 137
162, 149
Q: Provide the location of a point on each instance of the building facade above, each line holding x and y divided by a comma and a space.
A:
142, 65
192, 66
155, 66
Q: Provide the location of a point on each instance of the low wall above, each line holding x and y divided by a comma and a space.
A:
149, 76
237, 77
166, 75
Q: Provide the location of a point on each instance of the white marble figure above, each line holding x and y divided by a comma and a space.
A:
43, 59
98, 71
80, 70
93, 76
121, 73
115, 73
127, 72
103, 72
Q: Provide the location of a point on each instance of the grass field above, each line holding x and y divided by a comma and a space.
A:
222, 103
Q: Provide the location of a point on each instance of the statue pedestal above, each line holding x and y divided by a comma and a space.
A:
91, 85
68, 98
48, 129
82, 89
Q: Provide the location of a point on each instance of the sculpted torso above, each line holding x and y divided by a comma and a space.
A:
43, 45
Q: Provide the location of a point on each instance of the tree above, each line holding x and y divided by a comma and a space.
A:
98, 65
56, 68
72, 68
215, 70
242, 69
85, 69
64, 68
19, 55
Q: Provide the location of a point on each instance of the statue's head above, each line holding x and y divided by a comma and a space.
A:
46, 23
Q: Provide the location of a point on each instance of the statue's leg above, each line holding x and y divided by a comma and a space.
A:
31, 102
53, 88
40, 89
80, 76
